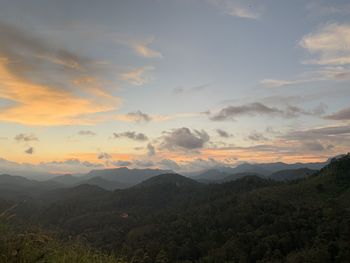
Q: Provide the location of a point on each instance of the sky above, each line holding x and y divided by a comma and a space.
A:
173, 84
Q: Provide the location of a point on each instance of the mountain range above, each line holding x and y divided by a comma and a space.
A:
122, 178
250, 219
223, 173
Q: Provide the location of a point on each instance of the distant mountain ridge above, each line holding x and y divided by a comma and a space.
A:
110, 179
269, 168
20, 188
260, 169
121, 178
10, 181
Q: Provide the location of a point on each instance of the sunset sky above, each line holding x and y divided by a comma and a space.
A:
174, 84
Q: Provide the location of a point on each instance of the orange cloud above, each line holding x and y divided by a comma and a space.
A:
36, 104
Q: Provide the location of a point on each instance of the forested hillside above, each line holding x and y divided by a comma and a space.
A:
170, 218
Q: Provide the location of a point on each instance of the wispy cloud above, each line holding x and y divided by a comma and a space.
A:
238, 8
86, 133
131, 135
257, 108
137, 76
330, 48
341, 115
182, 90
139, 116
257, 136
230, 112
331, 45
334, 73
142, 48
322, 131
23, 137
280, 82
328, 139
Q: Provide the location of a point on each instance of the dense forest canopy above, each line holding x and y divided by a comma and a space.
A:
171, 218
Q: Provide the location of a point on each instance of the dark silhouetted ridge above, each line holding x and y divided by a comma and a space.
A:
292, 174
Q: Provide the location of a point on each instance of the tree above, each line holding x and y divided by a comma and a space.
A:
162, 257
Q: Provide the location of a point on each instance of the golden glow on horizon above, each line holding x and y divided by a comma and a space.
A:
180, 159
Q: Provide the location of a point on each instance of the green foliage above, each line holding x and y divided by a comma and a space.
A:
36, 247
